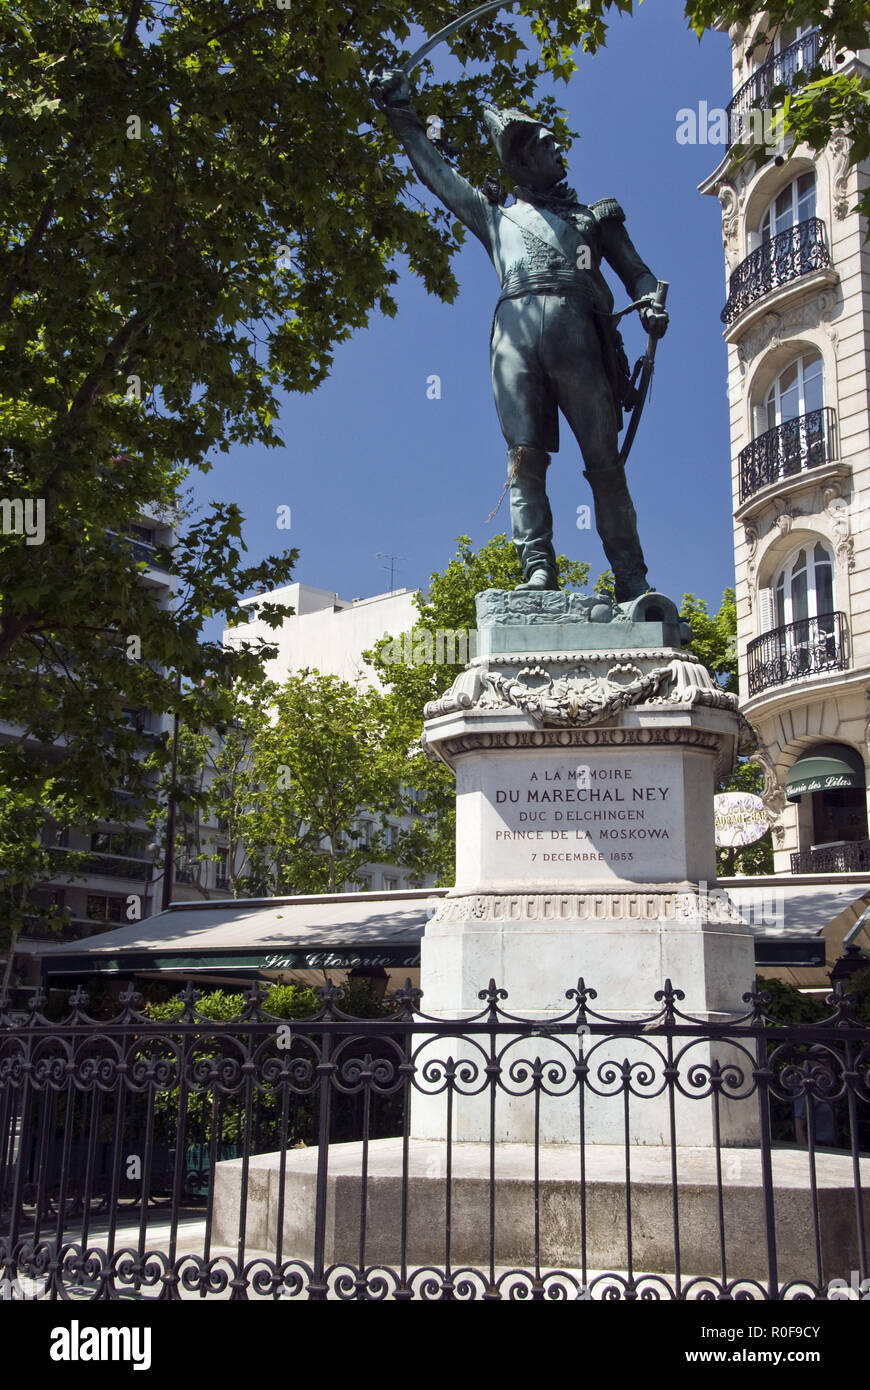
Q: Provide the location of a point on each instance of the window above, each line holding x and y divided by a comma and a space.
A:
100, 907
796, 391
54, 836
390, 885
804, 588
793, 204
127, 843
793, 430
803, 611
789, 63
145, 534
223, 869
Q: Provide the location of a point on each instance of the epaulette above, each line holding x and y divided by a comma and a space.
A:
607, 208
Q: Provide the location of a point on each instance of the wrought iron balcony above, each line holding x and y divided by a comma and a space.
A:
792, 447
73, 929
79, 863
799, 649
797, 251
779, 71
154, 557
847, 857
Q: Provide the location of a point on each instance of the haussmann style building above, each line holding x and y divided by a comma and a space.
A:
797, 329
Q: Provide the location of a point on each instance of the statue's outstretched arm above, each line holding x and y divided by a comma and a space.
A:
392, 92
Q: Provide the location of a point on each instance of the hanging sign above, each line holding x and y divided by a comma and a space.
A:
739, 818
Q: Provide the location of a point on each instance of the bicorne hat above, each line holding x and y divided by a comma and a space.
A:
509, 128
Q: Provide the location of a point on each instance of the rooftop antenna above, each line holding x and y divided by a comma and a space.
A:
392, 567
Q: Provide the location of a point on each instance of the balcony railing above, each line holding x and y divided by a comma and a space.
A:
792, 447
844, 858
106, 865
799, 649
779, 71
797, 251
76, 929
155, 558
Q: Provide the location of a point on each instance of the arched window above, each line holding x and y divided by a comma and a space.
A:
804, 588
801, 633
796, 391
793, 204
791, 62
792, 428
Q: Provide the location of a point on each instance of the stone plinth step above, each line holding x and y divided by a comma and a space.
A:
509, 1205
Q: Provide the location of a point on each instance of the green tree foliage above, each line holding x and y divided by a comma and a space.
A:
199, 203
24, 862
788, 1005
281, 1001
327, 754
714, 641
714, 636
292, 777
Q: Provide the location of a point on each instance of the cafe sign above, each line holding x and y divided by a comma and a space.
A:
739, 818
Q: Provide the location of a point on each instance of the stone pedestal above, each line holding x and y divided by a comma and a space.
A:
586, 745
720, 1209
585, 778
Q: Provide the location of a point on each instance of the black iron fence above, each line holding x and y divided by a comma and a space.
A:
402, 1157
807, 441
804, 648
797, 251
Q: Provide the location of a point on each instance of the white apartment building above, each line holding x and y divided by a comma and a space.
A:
329, 634
797, 325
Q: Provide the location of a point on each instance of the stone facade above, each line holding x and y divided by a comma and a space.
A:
800, 453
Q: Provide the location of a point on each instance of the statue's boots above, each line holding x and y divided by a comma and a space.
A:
616, 522
531, 517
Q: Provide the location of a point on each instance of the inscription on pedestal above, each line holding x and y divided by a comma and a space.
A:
560, 818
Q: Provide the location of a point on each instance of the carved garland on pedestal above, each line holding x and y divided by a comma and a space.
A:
576, 698
577, 695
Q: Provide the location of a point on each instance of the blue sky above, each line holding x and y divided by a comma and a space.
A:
371, 464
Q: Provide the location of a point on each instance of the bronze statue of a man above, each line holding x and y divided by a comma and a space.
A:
554, 343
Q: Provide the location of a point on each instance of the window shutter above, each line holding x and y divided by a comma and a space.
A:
766, 609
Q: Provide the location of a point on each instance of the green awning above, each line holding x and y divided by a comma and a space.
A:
825, 767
